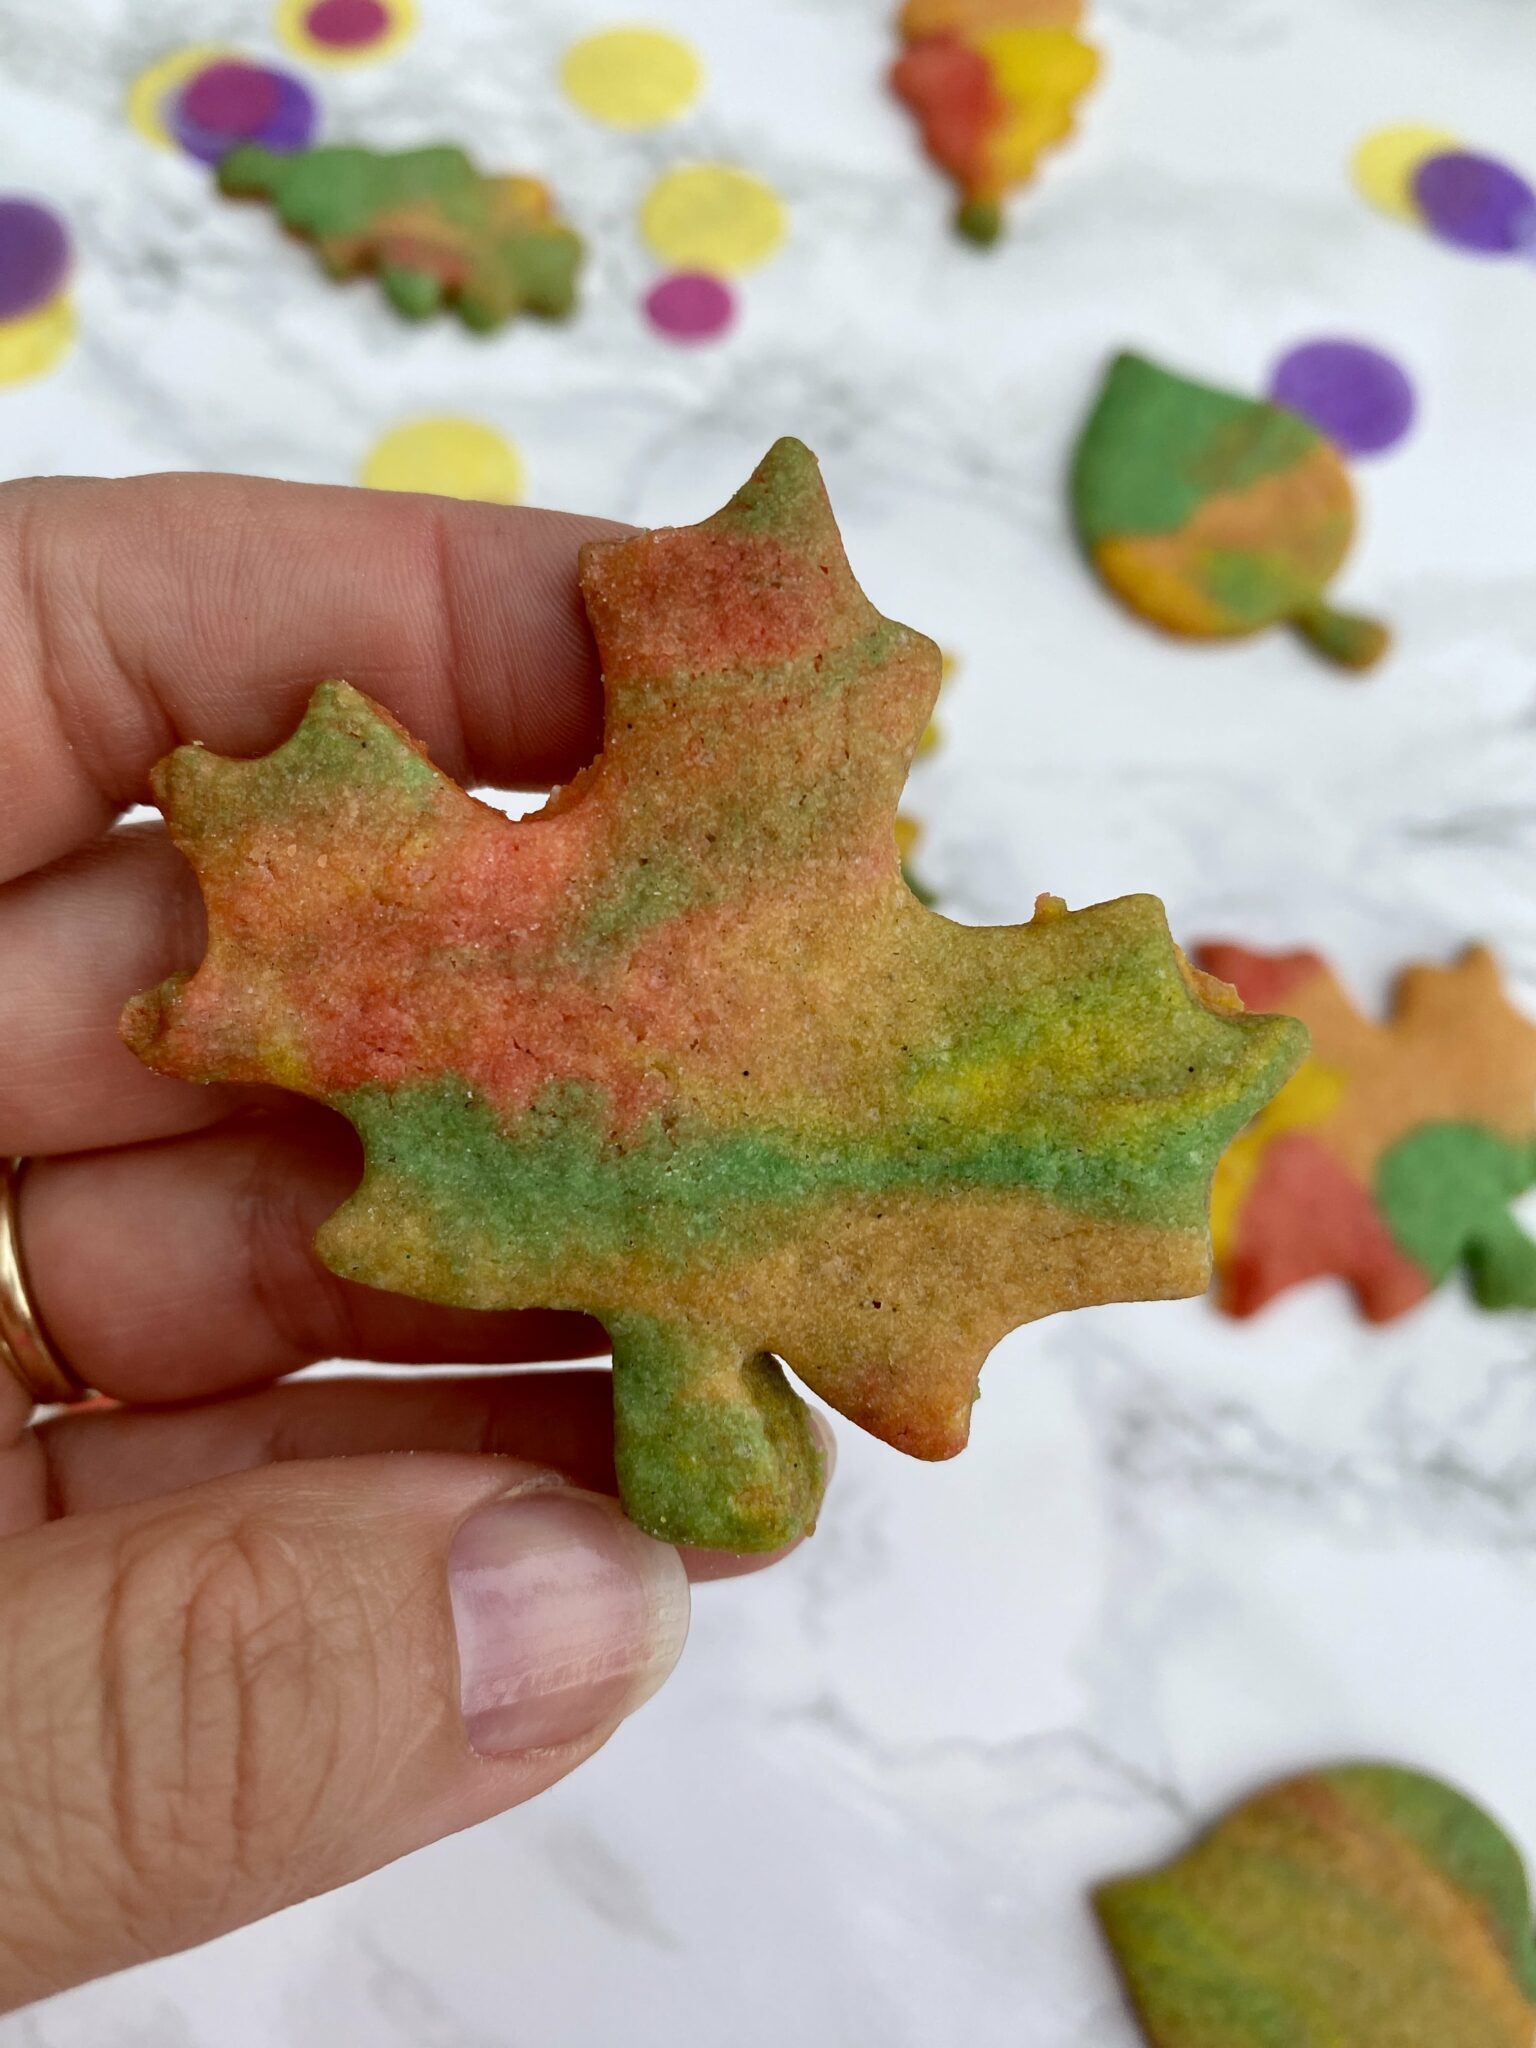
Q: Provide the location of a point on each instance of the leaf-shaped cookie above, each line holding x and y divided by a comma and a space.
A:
1393, 1156
1361, 1907
436, 230
994, 85
1215, 516
684, 1051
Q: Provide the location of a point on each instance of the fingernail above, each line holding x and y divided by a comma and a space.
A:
567, 1617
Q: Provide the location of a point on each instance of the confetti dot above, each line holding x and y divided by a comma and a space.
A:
1384, 165
347, 24
1476, 202
712, 217
34, 256
234, 102
238, 98
345, 31
154, 91
692, 306
1358, 397
295, 119
37, 341
448, 457
632, 77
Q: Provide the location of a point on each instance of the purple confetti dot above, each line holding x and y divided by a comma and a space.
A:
295, 118
1358, 397
208, 145
34, 256
347, 24
692, 306
1476, 202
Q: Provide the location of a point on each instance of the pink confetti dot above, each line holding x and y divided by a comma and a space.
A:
691, 306
347, 24
231, 99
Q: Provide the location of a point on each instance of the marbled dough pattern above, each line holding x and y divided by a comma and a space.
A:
994, 85
1213, 515
1393, 1155
435, 230
1361, 1907
684, 1051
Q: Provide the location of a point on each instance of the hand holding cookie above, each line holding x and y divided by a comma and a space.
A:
248, 1649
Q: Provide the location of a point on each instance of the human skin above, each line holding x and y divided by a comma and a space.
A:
246, 1653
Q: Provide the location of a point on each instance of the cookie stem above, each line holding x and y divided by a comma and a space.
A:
980, 220
712, 1448
1344, 638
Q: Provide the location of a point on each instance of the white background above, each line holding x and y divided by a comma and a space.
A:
1182, 1555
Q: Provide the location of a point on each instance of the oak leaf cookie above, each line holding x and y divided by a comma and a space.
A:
1214, 516
685, 1052
994, 85
1393, 1155
1365, 1906
435, 230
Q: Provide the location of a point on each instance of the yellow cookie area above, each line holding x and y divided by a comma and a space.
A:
1308, 1099
712, 217
1038, 63
37, 341
1040, 74
289, 26
1384, 164
447, 457
632, 77
154, 86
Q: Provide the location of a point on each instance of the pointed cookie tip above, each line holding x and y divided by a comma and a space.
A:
784, 493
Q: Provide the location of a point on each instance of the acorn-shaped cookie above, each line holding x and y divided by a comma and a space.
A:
1214, 516
994, 85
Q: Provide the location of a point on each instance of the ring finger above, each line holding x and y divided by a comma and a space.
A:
77, 940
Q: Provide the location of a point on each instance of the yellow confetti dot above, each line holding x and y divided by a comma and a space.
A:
292, 25
167, 75
1384, 164
712, 217
37, 341
448, 457
632, 77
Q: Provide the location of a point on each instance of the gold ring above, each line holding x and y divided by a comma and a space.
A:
43, 1376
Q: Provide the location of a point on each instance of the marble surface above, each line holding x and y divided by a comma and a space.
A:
1181, 1555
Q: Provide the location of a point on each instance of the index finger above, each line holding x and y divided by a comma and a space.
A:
139, 614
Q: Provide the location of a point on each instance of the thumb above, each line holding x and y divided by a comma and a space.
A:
224, 1701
